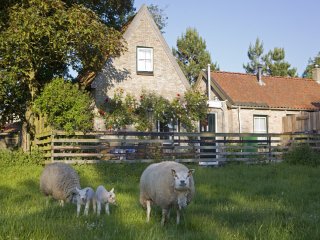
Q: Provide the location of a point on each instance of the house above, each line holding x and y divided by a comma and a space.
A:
247, 103
147, 65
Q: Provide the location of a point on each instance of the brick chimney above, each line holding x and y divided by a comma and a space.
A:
316, 73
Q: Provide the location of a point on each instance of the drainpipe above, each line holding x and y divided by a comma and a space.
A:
239, 119
209, 82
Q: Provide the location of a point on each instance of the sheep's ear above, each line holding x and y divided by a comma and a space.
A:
190, 172
112, 190
173, 172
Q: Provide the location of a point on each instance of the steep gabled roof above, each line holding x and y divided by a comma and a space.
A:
133, 24
277, 92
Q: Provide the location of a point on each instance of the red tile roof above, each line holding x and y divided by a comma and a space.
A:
278, 92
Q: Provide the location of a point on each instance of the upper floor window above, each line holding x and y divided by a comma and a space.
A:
260, 124
144, 60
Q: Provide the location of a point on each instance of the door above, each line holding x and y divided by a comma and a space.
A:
207, 144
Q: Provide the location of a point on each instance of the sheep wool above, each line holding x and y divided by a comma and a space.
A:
167, 184
60, 181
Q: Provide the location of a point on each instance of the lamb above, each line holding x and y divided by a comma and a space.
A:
60, 181
104, 197
84, 197
167, 184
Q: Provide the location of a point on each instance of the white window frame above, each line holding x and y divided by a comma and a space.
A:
265, 120
144, 60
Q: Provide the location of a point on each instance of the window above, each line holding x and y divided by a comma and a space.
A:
260, 124
144, 60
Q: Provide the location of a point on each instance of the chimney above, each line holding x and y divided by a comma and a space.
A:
316, 73
259, 75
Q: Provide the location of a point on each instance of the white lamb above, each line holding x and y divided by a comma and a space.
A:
167, 184
104, 197
84, 197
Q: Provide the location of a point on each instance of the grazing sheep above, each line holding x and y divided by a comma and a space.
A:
84, 197
104, 197
167, 184
60, 181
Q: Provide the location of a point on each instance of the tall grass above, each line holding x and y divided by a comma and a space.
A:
233, 202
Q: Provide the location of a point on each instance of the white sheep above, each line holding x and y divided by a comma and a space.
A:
104, 197
167, 184
84, 197
60, 181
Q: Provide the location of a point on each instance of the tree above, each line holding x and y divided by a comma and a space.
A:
276, 65
41, 39
159, 16
273, 63
311, 64
192, 55
255, 55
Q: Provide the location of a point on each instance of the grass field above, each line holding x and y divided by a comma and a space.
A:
232, 202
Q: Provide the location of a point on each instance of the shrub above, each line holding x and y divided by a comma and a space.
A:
65, 106
8, 157
302, 154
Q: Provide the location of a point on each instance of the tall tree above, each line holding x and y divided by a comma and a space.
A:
311, 64
255, 55
159, 16
40, 39
192, 54
276, 65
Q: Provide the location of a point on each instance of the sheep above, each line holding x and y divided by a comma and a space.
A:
104, 197
60, 181
84, 197
166, 184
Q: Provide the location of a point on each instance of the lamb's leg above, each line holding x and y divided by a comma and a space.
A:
107, 209
164, 216
61, 203
86, 209
94, 205
78, 209
98, 208
148, 210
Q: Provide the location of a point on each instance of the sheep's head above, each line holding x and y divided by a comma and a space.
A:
111, 196
182, 179
82, 195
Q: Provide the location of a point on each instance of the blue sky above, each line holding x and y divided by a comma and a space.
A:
229, 26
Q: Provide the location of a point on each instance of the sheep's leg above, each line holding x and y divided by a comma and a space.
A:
107, 209
86, 209
148, 210
178, 216
61, 203
98, 208
164, 216
78, 209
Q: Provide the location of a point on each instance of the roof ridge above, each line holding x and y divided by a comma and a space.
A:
264, 76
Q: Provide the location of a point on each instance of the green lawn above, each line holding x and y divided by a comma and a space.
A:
232, 202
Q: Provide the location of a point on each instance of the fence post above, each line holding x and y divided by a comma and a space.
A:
52, 147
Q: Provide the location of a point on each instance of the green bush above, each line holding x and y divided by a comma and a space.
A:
302, 154
8, 157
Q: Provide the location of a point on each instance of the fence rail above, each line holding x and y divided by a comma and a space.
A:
205, 148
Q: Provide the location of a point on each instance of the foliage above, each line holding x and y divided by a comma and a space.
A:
311, 64
126, 110
66, 107
42, 39
192, 55
273, 63
255, 55
234, 202
302, 154
113, 13
276, 65
159, 16
20, 158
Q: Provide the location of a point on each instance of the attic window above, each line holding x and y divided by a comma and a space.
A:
145, 60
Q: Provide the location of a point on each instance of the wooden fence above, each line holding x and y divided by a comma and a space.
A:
205, 148
307, 122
